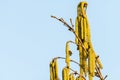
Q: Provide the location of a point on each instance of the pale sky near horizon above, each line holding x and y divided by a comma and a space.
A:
30, 38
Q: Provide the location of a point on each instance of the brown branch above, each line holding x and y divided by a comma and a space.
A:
105, 77
75, 72
72, 30
65, 58
99, 74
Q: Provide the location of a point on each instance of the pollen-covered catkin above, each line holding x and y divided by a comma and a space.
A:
51, 72
56, 69
71, 77
76, 30
91, 62
77, 78
90, 77
65, 74
53, 69
84, 29
81, 60
88, 31
83, 9
97, 59
81, 28
68, 54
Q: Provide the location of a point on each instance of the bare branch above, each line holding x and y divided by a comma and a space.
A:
105, 77
75, 72
65, 58
72, 30
71, 23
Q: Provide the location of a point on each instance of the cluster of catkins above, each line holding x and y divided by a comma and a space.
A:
89, 61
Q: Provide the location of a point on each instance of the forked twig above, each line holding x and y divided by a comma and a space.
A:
65, 58
75, 72
72, 30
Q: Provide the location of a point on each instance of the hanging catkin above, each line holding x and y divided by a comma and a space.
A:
90, 77
51, 71
76, 30
71, 77
68, 54
81, 26
56, 69
65, 74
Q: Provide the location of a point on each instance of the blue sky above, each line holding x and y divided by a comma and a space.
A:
30, 38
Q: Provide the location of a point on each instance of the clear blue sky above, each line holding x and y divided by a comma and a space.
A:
29, 38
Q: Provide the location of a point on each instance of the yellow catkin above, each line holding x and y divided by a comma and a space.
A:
99, 62
79, 31
81, 28
90, 77
53, 69
81, 78
84, 29
85, 43
76, 30
68, 54
51, 72
82, 8
71, 77
84, 63
56, 69
85, 36
65, 74
80, 48
84, 66
81, 60
77, 78
91, 62
88, 31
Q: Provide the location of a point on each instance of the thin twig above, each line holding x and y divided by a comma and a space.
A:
105, 77
65, 58
72, 30
75, 72
99, 72
71, 23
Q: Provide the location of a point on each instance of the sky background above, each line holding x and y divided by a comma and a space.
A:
30, 38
